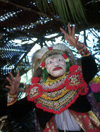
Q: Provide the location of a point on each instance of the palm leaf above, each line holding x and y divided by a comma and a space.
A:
65, 10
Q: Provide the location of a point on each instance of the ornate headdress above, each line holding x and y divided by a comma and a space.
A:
40, 56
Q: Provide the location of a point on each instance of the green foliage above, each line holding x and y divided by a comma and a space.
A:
67, 66
65, 9
44, 74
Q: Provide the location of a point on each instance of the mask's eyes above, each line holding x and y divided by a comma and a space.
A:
50, 62
60, 59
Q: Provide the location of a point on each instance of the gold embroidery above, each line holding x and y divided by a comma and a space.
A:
54, 95
57, 104
94, 118
87, 121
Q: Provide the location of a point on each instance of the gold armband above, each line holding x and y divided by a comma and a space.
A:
11, 99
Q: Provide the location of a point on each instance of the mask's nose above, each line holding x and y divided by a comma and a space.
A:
56, 62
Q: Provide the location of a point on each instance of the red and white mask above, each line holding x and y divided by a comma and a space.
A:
55, 65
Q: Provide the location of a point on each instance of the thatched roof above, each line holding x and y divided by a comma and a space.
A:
26, 19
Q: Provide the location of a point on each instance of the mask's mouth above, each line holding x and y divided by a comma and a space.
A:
57, 68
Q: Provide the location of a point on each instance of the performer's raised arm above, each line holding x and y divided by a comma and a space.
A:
89, 67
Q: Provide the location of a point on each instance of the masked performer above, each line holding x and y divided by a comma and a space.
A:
59, 88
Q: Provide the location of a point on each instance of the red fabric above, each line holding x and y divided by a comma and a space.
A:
73, 68
87, 123
35, 80
38, 92
51, 126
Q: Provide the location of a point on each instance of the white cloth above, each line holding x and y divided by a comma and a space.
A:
65, 121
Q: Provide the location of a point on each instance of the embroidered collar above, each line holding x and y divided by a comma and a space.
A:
53, 85
57, 95
50, 81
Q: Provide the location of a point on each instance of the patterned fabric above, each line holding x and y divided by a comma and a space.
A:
11, 99
51, 126
57, 95
88, 121
59, 105
84, 51
93, 103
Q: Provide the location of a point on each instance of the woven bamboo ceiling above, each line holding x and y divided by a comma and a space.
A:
27, 19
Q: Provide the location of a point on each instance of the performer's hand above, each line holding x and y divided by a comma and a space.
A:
14, 83
70, 37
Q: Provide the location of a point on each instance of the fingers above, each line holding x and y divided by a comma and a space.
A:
69, 30
63, 31
18, 78
65, 34
11, 75
18, 73
70, 36
10, 81
9, 87
13, 80
77, 38
73, 31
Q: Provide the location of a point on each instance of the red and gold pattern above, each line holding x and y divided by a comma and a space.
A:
51, 126
56, 98
75, 79
34, 92
88, 121
84, 51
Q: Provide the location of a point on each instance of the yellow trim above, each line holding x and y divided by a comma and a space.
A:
12, 95
49, 103
63, 92
94, 118
11, 103
97, 79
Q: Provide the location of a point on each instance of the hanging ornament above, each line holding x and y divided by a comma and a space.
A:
65, 57
42, 65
